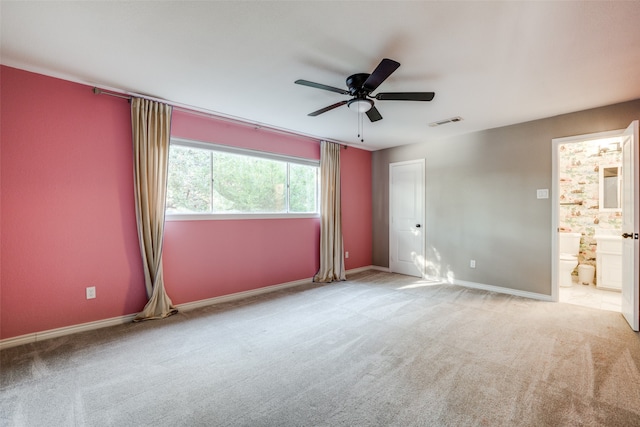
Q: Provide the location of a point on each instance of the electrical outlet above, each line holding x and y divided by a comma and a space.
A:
472, 264
346, 254
91, 292
542, 193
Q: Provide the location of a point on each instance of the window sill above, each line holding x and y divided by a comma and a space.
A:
209, 217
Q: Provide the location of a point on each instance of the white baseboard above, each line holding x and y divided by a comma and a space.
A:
245, 294
66, 330
367, 268
492, 288
98, 324
240, 295
501, 290
378, 268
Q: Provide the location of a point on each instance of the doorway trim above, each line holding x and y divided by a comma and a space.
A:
555, 191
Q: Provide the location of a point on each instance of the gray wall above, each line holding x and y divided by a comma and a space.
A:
481, 198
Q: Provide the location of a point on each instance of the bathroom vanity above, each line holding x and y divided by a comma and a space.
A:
609, 262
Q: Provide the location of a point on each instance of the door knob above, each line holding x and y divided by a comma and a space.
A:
627, 235
417, 225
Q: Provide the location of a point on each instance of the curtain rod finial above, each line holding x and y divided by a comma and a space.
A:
97, 91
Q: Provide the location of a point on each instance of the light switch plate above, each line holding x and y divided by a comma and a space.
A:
543, 193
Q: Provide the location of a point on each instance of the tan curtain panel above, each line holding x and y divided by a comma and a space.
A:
151, 124
331, 246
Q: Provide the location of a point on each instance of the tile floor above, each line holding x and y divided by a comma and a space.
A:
590, 296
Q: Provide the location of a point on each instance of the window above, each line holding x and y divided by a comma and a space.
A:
212, 181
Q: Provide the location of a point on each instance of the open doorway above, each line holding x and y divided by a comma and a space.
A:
626, 247
588, 220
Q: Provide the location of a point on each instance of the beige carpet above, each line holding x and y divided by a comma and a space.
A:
377, 350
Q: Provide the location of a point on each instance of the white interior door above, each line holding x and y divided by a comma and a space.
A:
630, 213
406, 217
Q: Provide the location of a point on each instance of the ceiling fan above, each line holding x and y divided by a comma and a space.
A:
360, 87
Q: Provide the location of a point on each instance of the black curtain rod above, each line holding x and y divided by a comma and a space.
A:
99, 91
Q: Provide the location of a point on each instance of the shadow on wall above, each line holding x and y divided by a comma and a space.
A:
431, 266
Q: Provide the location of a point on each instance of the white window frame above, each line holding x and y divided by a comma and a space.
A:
189, 143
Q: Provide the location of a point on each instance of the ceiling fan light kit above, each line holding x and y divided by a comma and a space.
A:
360, 105
361, 85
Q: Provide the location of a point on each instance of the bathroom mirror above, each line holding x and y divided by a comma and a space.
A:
610, 187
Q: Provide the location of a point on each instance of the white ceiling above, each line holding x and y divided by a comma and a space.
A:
492, 63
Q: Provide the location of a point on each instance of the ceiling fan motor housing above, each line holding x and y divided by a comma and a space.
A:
355, 82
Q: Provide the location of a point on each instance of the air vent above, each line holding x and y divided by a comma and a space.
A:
445, 121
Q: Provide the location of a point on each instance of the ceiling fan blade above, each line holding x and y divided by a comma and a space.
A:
321, 86
374, 114
325, 109
380, 74
405, 96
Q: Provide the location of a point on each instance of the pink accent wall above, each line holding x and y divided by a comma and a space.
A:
68, 220
207, 129
355, 173
205, 259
